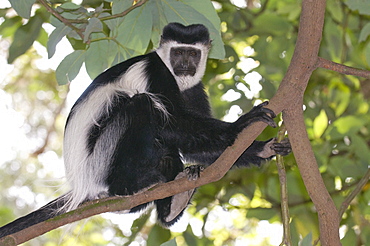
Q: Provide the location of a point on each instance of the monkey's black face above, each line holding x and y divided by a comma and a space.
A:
185, 60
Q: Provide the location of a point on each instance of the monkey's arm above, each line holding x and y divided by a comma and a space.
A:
204, 139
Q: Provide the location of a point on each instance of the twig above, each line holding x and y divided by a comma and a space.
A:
61, 18
340, 68
284, 192
363, 181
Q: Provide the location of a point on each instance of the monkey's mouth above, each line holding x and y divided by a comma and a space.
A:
184, 72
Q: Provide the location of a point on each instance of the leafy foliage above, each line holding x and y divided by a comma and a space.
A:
259, 42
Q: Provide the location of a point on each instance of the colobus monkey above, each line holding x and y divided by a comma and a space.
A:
137, 123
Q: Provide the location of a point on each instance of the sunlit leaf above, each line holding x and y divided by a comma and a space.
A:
320, 124
347, 123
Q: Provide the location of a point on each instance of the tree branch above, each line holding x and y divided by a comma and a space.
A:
323, 63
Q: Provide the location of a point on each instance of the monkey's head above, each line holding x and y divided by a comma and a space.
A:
184, 50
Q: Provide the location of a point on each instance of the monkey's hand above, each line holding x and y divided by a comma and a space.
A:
257, 113
272, 148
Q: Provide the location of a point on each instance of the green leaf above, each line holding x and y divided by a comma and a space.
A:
277, 25
94, 25
135, 31
43, 37
348, 123
159, 21
70, 6
22, 7
9, 26
24, 37
69, 67
365, 32
335, 10
307, 240
54, 38
320, 124
158, 235
367, 53
206, 9
97, 56
172, 242
361, 148
118, 6
176, 11
363, 6
346, 167
261, 213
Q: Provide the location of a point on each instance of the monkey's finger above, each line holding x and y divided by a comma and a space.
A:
268, 120
269, 111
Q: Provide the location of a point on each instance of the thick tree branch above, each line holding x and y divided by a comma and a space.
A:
304, 62
323, 63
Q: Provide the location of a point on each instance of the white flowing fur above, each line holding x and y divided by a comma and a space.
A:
184, 82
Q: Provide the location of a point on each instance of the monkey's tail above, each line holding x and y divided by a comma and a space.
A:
50, 210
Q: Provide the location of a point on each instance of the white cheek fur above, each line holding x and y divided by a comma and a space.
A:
184, 82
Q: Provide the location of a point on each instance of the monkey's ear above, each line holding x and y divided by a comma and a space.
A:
210, 43
161, 41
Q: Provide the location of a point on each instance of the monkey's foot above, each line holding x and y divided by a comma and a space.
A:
180, 201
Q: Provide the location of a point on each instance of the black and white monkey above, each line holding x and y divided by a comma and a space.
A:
137, 123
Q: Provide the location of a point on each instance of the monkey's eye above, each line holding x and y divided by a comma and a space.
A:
193, 53
178, 52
